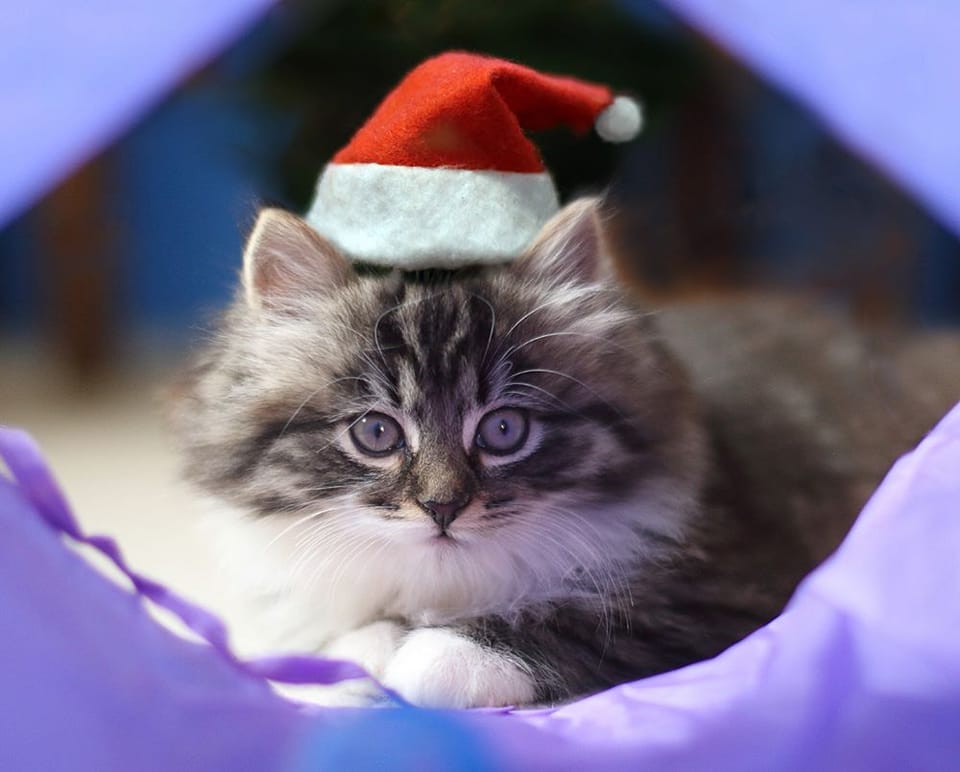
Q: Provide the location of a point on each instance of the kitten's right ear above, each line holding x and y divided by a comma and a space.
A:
570, 247
285, 259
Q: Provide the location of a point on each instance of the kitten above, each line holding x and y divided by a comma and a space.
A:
517, 485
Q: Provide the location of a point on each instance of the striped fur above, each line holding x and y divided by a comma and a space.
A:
614, 544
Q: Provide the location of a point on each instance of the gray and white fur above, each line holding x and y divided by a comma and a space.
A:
517, 484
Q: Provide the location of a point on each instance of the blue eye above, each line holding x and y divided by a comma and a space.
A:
376, 434
504, 431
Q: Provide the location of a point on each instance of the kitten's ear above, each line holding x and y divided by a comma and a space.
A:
285, 259
569, 248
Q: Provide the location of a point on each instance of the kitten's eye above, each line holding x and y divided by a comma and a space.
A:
504, 431
376, 434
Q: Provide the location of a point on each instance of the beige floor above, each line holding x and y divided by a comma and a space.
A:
108, 448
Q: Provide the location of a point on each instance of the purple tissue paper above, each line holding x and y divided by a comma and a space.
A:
75, 75
882, 74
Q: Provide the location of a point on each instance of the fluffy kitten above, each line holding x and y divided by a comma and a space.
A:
515, 484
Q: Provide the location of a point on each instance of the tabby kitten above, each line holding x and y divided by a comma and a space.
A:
515, 484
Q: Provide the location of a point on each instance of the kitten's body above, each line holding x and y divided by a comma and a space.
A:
680, 475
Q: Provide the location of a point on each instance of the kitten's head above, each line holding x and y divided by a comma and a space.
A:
478, 440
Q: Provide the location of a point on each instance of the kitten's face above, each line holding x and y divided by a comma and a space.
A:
486, 440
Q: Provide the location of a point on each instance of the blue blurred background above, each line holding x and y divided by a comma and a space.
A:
731, 185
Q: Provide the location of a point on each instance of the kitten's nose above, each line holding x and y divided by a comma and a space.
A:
445, 512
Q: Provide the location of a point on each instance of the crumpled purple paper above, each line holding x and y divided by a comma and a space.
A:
75, 75
882, 74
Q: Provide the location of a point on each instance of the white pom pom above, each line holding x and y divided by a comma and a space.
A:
620, 121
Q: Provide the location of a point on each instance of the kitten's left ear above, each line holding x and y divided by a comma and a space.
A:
570, 247
286, 259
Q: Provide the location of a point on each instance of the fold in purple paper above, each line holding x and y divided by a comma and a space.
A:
77, 74
862, 671
25, 462
882, 74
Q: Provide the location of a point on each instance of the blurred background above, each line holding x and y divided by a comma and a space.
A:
109, 278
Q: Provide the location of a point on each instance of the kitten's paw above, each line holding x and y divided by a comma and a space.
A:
371, 646
438, 668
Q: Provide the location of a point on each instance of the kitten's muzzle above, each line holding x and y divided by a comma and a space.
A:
444, 512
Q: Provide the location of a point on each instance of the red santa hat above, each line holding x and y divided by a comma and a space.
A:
442, 175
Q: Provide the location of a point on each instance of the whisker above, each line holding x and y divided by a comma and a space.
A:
295, 524
493, 326
554, 397
563, 334
307, 552
310, 396
560, 374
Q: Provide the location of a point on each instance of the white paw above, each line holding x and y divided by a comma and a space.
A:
371, 646
438, 668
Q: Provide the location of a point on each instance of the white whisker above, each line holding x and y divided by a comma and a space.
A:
292, 526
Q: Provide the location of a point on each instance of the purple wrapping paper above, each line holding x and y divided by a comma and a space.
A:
882, 74
88, 681
862, 671
75, 75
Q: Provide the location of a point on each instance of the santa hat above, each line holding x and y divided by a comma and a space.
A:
442, 174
